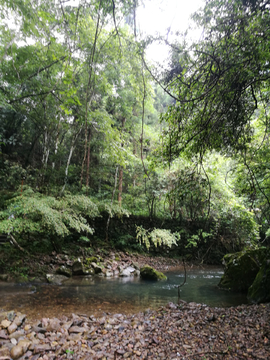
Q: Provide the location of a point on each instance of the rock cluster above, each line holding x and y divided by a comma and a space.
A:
108, 268
185, 331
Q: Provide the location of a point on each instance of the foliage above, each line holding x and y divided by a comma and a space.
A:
113, 210
156, 237
223, 78
76, 103
33, 213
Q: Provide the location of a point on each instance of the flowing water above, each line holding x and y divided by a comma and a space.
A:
95, 295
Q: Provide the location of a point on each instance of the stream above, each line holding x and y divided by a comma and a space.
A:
96, 295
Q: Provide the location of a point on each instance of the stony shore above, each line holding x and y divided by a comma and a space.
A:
185, 331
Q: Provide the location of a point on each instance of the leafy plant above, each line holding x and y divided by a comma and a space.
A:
157, 237
33, 213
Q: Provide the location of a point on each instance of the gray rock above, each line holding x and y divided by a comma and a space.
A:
109, 274
54, 325
63, 270
9, 315
126, 272
136, 265
96, 267
78, 268
18, 350
19, 319
56, 279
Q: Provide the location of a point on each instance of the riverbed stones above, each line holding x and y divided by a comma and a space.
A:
191, 331
19, 319
20, 349
12, 328
4, 352
7, 315
5, 323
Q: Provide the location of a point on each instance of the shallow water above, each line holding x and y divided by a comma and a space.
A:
95, 295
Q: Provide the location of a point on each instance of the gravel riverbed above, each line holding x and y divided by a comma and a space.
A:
185, 331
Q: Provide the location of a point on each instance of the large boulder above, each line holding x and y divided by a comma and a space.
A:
79, 268
241, 269
259, 291
148, 273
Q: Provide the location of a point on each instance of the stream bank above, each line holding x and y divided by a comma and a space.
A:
185, 331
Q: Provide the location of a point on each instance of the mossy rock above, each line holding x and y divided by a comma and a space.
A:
148, 273
259, 291
241, 269
63, 270
92, 259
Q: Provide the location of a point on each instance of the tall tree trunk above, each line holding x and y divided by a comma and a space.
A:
88, 160
46, 149
56, 144
109, 217
120, 186
88, 96
142, 134
69, 157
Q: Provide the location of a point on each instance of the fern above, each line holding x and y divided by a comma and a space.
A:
157, 237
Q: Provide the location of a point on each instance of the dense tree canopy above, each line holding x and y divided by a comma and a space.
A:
223, 79
86, 130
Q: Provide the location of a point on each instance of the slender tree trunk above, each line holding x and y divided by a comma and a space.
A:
69, 158
46, 149
109, 218
142, 134
120, 186
88, 160
88, 96
56, 144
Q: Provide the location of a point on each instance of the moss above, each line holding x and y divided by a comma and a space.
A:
148, 273
259, 291
91, 259
241, 269
63, 270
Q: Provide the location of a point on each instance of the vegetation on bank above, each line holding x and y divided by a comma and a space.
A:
92, 133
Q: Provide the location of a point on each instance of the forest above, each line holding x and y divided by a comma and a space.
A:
92, 132
115, 166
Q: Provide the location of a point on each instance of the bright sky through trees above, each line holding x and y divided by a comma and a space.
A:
166, 17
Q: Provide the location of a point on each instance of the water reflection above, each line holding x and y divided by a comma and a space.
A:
94, 295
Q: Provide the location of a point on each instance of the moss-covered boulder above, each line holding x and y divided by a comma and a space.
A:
63, 270
241, 269
79, 268
259, 291
148, 273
